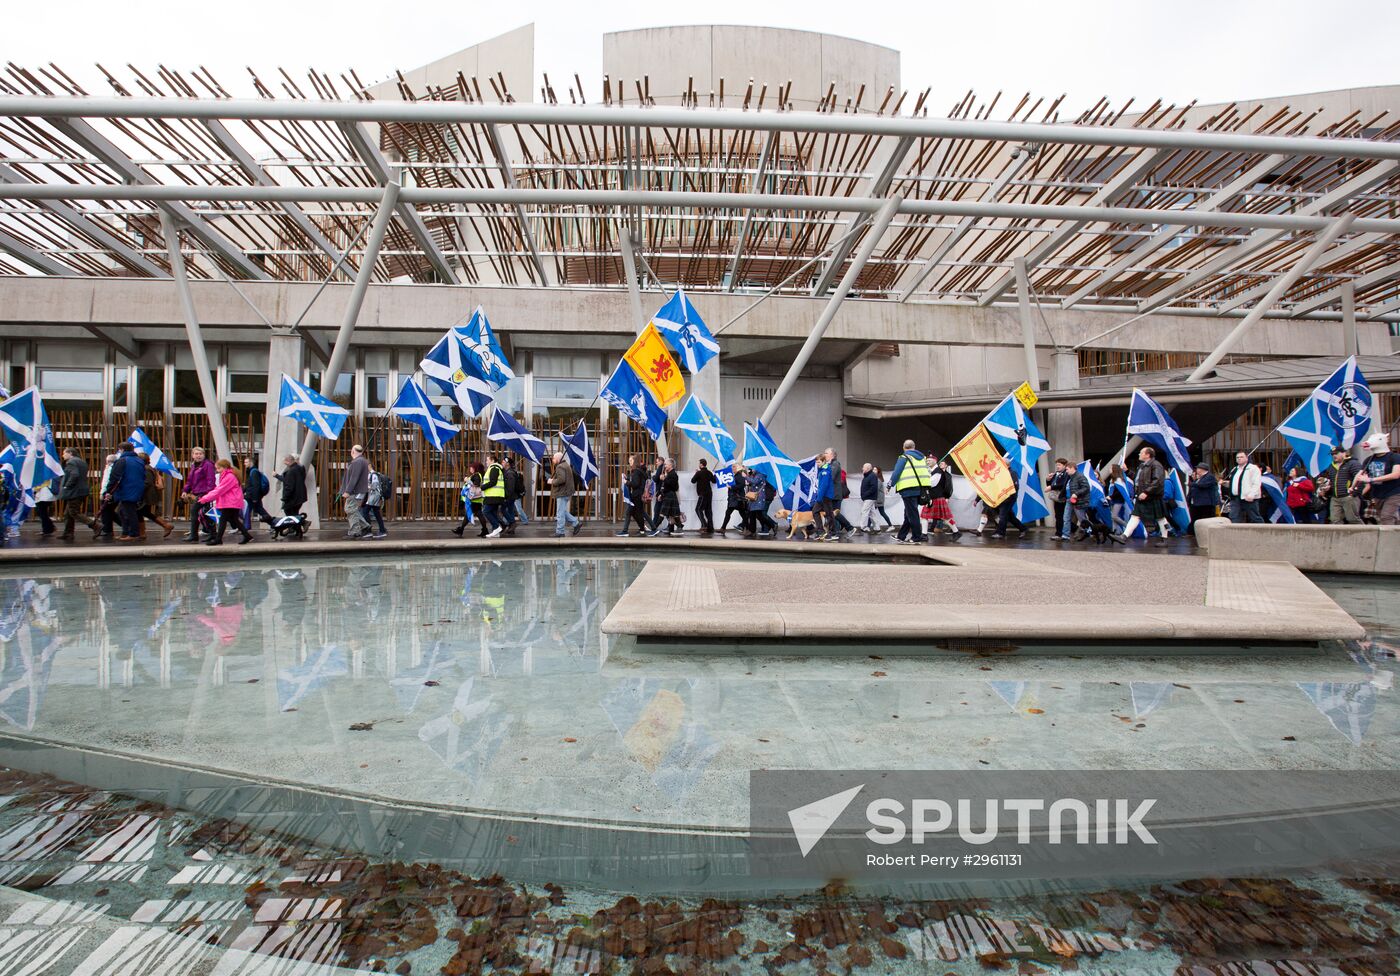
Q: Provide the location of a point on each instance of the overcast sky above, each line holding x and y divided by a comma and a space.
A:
1186, 49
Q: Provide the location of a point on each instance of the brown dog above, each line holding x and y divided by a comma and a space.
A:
800, 520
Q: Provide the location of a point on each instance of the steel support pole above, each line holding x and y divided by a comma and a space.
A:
1351, 344
341, 350
629, 269
872, 239
1023, 301
197, 352
1285, 281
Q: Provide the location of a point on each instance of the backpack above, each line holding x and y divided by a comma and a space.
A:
845, 487
263, 486
386, 486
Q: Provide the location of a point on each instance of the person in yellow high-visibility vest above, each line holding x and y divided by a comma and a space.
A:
493, 496
910, 479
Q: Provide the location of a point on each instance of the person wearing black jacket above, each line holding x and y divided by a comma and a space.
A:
1149, 490
633, 491
668, 506
1345, 505
871, 492
1202, 494
73, 492
1057, 492
658, 474
736, 502
704, 481
293, 479
1077, 492
515, 496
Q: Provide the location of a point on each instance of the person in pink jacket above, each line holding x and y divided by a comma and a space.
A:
227, 497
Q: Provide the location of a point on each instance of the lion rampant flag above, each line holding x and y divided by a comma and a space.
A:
651, 359
980, 461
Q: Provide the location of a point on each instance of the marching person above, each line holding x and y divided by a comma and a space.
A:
106, 505
470, 496
1149, 488
704, 481
1298, 494
1202, 494
493, 495
354, 486
227, 497
73, 493
760, 496
1345, 506
1057, 491
127, 489
515, 496
1077, 493
940, 506
633, 497
1381, 478
293, 479
152, 499
562, 485
870, 492
375, 499
668, 505
1246, 488
255, 489
910, 480
199, 480
736, 503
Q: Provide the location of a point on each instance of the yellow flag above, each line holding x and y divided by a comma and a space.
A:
981, 463
654, 365
1026, 395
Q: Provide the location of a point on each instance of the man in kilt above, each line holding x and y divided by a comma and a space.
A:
938, 512
1149, 486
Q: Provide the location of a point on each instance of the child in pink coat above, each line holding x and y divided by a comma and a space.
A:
227, 496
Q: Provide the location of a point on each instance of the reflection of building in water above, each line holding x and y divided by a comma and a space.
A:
27, 647
1348, 706
652, 718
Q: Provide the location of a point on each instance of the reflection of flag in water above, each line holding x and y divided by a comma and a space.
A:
798, 496
1349, 707
298, 681
1148, 696
14, 606
652, 723
468, 736
25, 676
579, 631
408, 684
166, 613
1011, 692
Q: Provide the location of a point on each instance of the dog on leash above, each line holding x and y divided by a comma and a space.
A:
797, 520
290, 527
1100, 533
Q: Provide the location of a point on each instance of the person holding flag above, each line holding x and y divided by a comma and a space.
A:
73, 493
1149, 488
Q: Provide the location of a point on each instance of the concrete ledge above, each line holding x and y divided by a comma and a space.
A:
1312, 548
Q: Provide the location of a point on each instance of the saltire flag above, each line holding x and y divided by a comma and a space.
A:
1281, 512
630, 395
651, 360
413, 405
762, 454
1294, 461
1016, 433
978, 458
313, 411
1337, 413
1149, 420
580, 452
480, 340
21, 499
1098, 498
1177, 514
798, 497
457, 372
702, 425
1030, 494
685, 332
159, 459
26, 425
510, 434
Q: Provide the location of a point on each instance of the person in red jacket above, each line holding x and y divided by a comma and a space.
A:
1299, 495
227, 497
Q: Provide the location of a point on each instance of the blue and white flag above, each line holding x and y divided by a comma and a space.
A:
26, 425
1016, 433
1177, 514
630, 395
685, 332
702, 425
1336, 414
1149, 420
1281, 512
413, 405
798, 496
481, 342
452, 366
510, 434
313, 411
762, 454
1030, 494
21, 498
1098, 498
580, 452
159, 459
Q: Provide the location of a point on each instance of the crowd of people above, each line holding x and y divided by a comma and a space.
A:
220, 495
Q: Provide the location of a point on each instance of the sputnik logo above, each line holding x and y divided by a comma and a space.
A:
811, 822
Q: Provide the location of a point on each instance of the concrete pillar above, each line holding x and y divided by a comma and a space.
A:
1350, 344
285, 351
1065, 425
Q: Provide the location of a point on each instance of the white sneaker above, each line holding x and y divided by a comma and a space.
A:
494, 532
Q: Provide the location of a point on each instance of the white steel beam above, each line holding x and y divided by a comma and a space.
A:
104, 149
888, 209
1359, 283
1336, 254
1281, 286
1217, 201
879, 186
508, 174
1130, 174
524, 113
756, 187
379, 168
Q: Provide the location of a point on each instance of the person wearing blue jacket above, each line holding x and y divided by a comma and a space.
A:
910, 479
127, 488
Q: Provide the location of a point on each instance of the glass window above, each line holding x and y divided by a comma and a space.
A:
17, 382
121, 377
344, 388
150, 391
248, 383
546, 389
187, 392
376, 391
511, 397
70, 380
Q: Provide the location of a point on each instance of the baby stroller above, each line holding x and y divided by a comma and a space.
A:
290, 526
